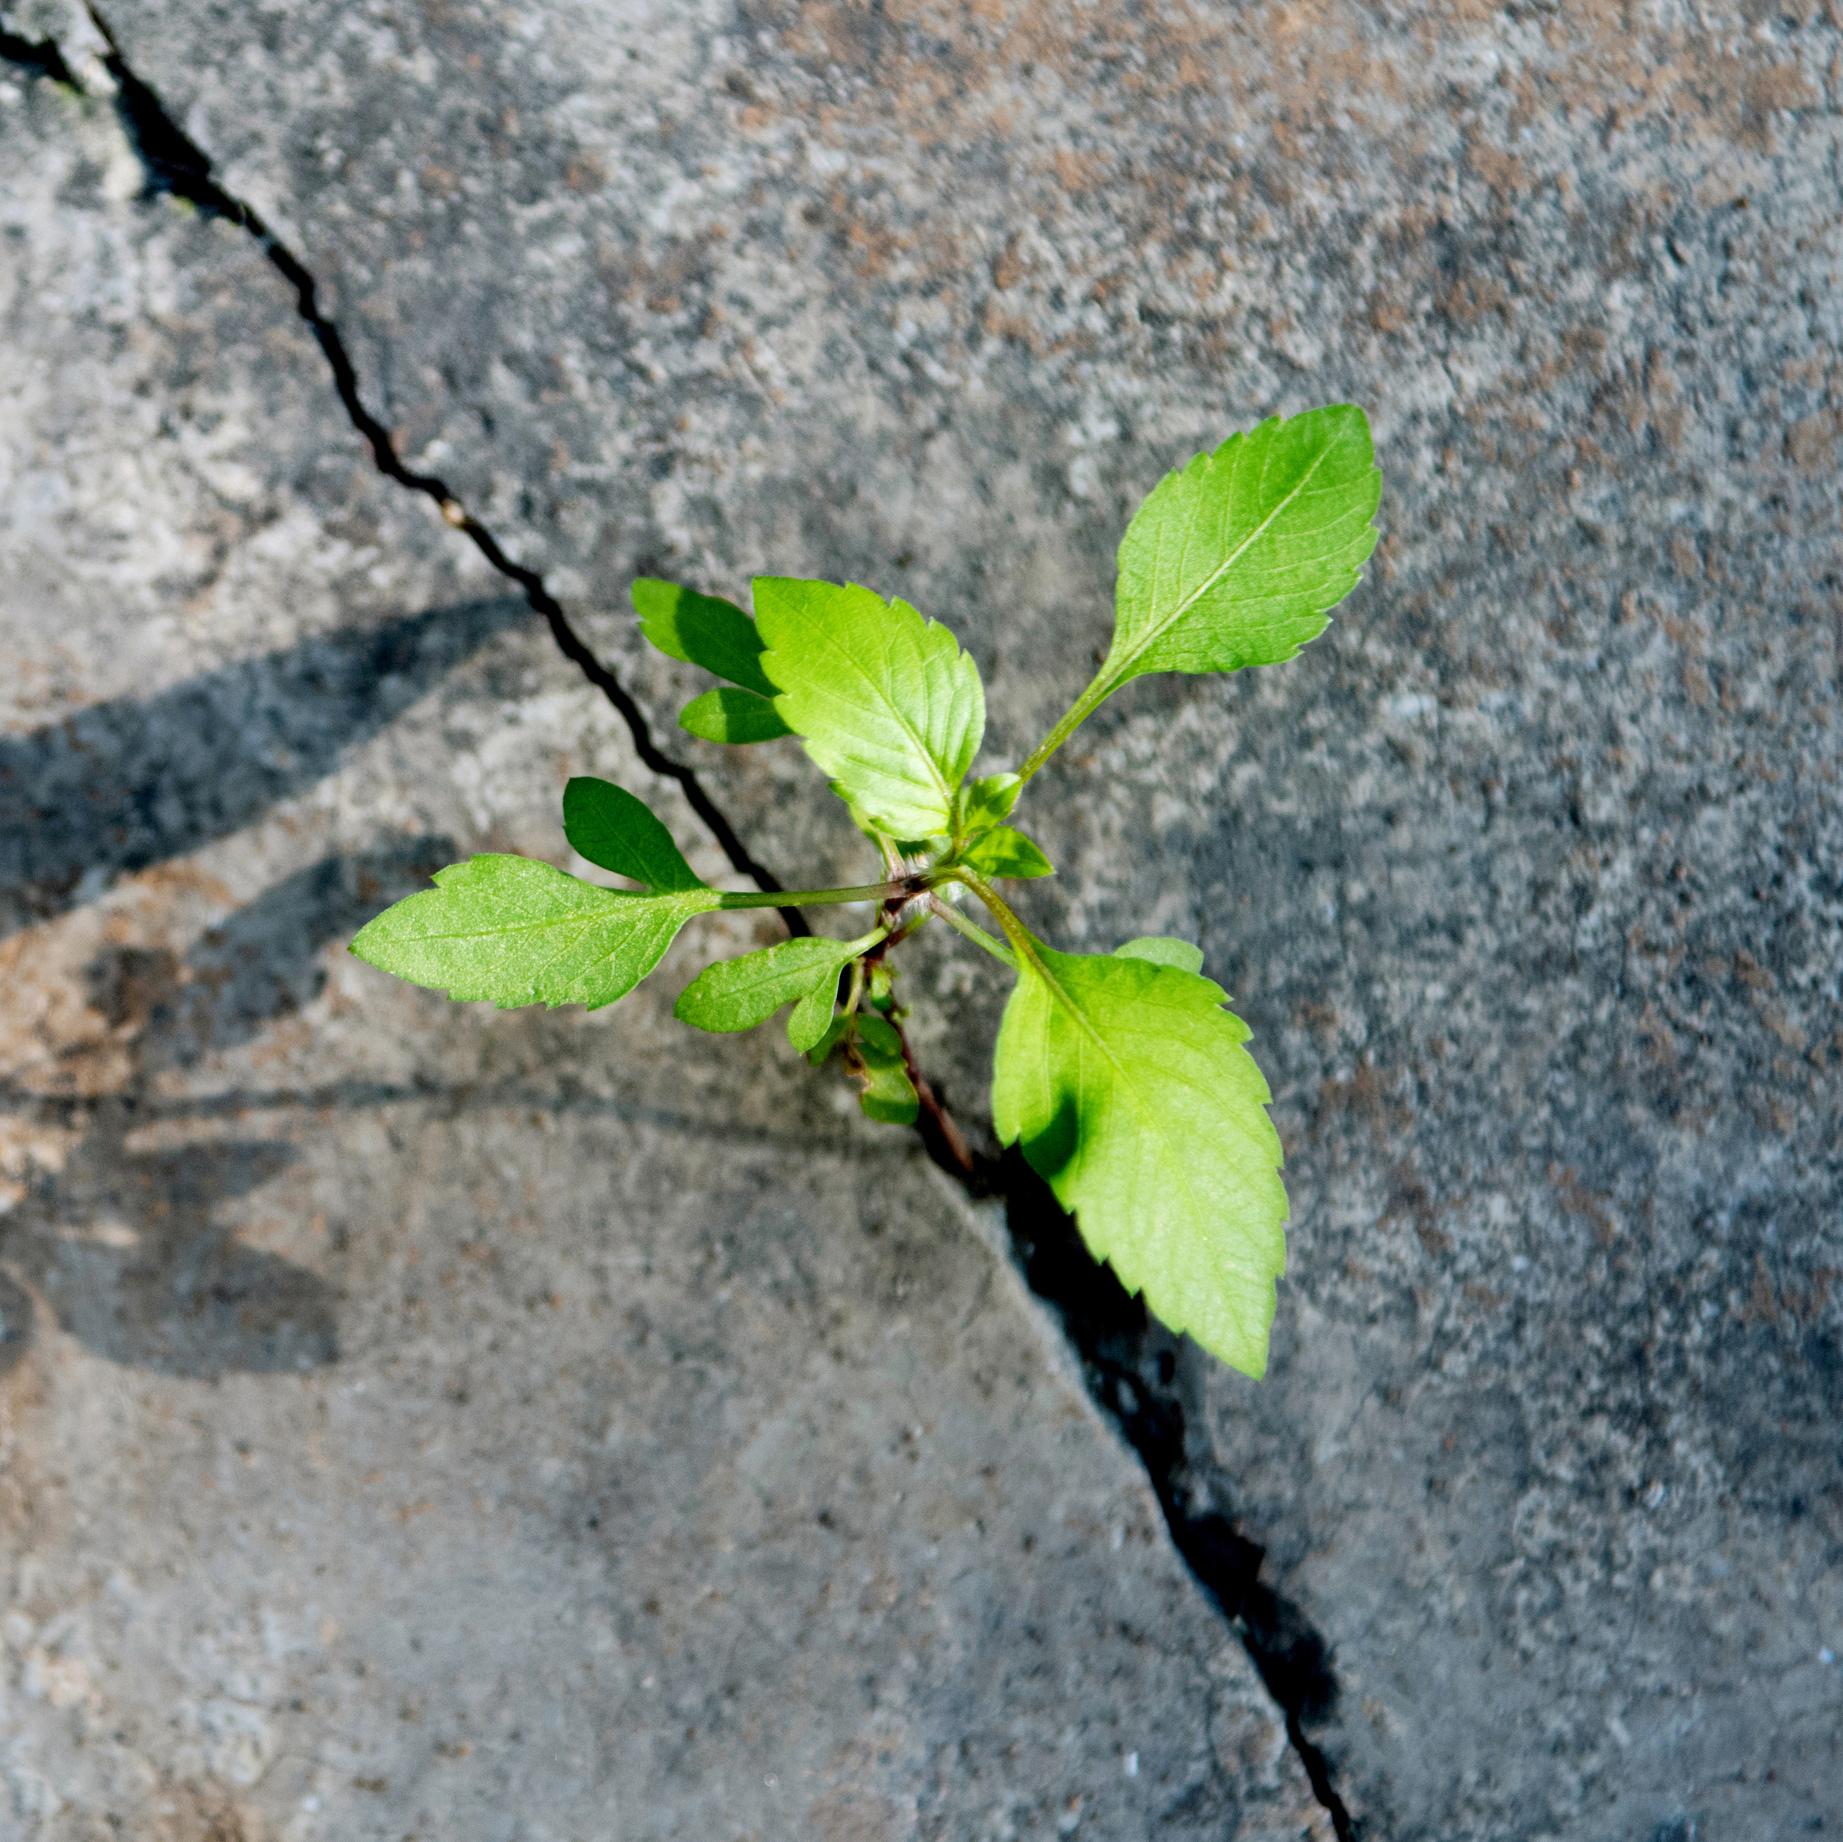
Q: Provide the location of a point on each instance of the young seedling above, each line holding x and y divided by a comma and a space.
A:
1121, 1075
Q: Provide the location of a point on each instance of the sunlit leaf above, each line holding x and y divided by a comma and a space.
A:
737, 994
1007, 853
1234, 559
727, 714
885, 702
515, 931
988, 802
1162, 950
1127, 1086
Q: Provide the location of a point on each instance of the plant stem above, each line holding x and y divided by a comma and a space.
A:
1078, 712
960, 924
938, 1116
792, 898
1015, 931
908, 927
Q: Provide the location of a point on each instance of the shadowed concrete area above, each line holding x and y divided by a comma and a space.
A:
1528, 877
130, 782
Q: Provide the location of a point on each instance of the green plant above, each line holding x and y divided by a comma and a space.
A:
1121, 1075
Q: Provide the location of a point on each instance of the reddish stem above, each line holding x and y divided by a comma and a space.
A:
938, 1116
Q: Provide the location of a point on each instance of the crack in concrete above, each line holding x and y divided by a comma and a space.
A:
1128, 1360
1129, 1365
41, 57
175, 163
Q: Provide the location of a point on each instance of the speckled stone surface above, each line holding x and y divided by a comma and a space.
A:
417, 1421
1529, 876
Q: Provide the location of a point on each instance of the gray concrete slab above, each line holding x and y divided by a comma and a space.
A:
421, 1421
1526, 876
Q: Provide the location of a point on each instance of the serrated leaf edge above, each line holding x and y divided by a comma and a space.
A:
1161, 628
882, 699
1026, 945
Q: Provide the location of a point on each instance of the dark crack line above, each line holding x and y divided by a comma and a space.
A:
42, 58
1127, 1359
176, 164
1129, 1365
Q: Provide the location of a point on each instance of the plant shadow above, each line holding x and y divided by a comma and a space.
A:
128, 1243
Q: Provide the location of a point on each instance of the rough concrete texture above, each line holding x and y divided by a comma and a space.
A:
1527, 875
425, 1422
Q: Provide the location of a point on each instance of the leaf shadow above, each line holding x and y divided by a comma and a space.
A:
125, 1244
171, 1290
117, 787
1051, 1150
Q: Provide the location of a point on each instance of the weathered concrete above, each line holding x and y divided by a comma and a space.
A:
1527, 876
421, 1421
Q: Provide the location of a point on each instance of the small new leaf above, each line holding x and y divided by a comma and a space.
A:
730, 715
988, 802
877, 1039
701, 630
885, 1091
887, 1094
1007, 853
515, 931
1234, 559
737, 994
1162, 950
1128, 1087
885, 702
608, 826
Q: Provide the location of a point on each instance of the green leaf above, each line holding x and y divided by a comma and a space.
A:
885, 1091
834, 1034
729, 715
1234, 559
608, 826
701, 630
810, 1021
859, 817
989, 801
516, 931
1005, 852
737, 994
1128, 1087
886, 703
877, 1039
1162, 950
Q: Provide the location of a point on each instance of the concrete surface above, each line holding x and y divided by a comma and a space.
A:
1527, 876
425, 1422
